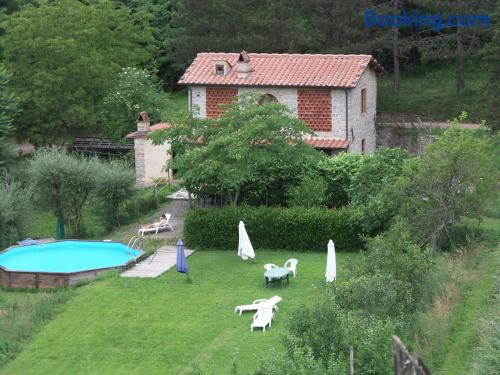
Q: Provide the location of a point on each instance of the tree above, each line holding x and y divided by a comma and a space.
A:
242, 150
453, 180
338, 173
135, 91
62, 183
8, 108
373, 186
310, 193
491, 97
65, 56
114, 184
15, 211
456, 41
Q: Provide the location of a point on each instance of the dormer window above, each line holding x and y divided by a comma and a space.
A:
219, 69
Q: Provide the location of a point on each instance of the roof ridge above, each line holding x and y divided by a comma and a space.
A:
272, 54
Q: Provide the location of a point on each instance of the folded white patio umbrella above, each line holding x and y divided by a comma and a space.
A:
331, 264
245, 248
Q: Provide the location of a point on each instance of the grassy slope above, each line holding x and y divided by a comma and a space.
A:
21, 315
43, 223
431, 91
154, 326
455, 323
178, 100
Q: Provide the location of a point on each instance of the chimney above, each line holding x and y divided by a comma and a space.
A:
143, 122
243, 65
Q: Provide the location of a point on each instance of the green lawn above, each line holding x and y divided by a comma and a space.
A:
177, 101
156, 326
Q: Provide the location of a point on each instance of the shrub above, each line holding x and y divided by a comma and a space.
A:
273, 228
379, 294
310, 193
338, 173
114, 184
327, 331
15, 212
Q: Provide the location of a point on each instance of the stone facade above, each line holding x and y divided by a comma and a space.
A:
328, 112
150, 160
362, 125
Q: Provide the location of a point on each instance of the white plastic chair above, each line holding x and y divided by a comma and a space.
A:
258, 303
291, 264
268, 266
262, 318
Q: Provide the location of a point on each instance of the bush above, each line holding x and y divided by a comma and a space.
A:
379, 294
273, 228
327, 331
338, 173
310, 193
114, 184
15, 212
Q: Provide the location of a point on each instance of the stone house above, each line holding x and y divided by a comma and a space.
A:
336, 95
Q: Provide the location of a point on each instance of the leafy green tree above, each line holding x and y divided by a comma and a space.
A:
135, 91
491, 97
338, 173
225, 156
373, 186
62, 183
15, 211
453, 180
8, 108
65, 56
311, 192
114, 184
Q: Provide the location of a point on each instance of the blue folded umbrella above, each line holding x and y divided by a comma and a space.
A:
181, 258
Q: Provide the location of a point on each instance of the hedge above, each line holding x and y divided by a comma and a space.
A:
272, 228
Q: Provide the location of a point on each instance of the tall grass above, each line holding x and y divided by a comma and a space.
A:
22, 313
448, 330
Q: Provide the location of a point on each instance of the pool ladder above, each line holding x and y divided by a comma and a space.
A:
134, 241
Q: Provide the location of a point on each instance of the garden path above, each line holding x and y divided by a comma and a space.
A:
161, 261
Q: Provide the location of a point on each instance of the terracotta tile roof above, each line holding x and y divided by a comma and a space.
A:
273, 69
152, 128
328, 143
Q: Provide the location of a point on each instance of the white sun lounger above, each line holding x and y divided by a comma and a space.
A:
157, 227
273, 302
262, 318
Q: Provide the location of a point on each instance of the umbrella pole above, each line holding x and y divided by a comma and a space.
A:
189, 281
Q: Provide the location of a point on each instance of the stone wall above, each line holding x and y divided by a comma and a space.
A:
413, 140
285, 95
362, 125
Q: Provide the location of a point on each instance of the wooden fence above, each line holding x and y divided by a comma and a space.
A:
404, 362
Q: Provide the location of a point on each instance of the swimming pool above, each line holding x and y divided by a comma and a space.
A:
61, 262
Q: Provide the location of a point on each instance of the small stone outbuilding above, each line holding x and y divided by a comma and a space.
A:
150, 160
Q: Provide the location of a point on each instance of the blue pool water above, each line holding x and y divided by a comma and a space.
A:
67, 256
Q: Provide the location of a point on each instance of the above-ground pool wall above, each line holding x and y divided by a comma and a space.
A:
46, 280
